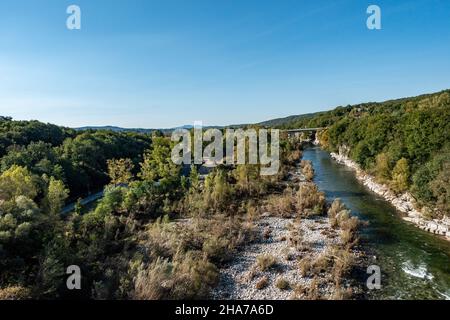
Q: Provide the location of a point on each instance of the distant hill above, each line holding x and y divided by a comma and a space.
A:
327, 118
289, 119
139, 130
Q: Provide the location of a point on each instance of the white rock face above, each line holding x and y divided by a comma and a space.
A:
404, 202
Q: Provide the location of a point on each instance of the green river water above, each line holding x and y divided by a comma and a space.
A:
414, 264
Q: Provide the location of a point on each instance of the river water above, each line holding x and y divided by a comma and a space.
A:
414, 264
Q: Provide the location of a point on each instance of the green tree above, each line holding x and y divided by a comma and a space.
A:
400, 176
194, 177
382, 170
56, 195
17, 181
120, 171
158, 164
441, 189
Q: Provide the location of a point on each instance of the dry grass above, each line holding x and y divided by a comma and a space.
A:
296, 238
305, 266
15, 293
310, 292
180, 259
282, 205
262, 283
187, 277
310, 201
342, 294
265, 262
282, 284
251, 274
292, 157
307, 170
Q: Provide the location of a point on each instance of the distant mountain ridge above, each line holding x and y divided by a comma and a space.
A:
138, 130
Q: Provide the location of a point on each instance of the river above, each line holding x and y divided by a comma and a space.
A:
414, 263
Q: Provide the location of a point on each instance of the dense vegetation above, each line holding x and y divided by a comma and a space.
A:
42, 167
405, 143
126, 245
76, 158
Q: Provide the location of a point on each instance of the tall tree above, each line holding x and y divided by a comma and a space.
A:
400, 176
120, 171
56, 195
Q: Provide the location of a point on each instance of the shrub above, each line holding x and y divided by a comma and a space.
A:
217, 249
336, 207
343, 261
15, 293
305, 266
400, 176
341, 293
307, 170
349, 226
322, 263
186, 277
310, 292
282, 284
296, 238
283, 205
265, 262
262, 283
310, 201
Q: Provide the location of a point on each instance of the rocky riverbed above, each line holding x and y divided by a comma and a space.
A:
404, 202
239, 280
287, 241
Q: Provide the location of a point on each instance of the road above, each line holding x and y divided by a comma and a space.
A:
71, 207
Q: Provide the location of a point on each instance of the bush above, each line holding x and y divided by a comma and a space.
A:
186, 277
15, 293
282, 284
262, 283
265, 262
400, 176
336, 207
310, 201
217, 249
305, 265
307, 170
283, 205
343, 261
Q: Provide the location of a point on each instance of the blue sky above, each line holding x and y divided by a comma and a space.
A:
145, 63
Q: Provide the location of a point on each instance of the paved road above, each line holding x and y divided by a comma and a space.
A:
71, 207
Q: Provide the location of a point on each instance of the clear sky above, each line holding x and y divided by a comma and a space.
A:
147, 63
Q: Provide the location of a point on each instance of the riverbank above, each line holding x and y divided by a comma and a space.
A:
403, 203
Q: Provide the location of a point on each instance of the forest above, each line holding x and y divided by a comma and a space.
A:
404, 143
